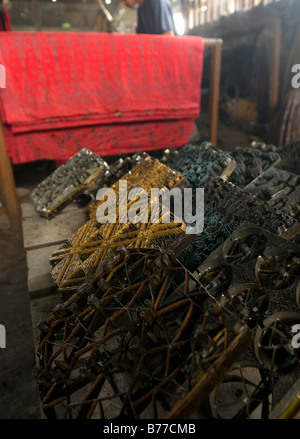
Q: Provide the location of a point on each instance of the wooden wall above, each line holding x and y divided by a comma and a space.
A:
198, 12
259, 49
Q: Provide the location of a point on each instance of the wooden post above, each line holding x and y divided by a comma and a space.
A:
214, 86
7, 183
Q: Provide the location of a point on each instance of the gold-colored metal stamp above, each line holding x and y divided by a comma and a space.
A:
81, 258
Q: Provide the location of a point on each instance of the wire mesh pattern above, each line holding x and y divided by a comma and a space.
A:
137, 342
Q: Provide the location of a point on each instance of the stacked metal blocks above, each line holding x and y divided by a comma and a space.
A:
226, 208
200, 163
251, 163
281, 190
154, 325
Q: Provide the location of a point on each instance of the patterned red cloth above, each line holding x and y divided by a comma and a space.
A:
111, 93
60, 145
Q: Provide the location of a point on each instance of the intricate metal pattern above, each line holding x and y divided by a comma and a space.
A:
258, 274
251, 162
290, 156
200, 163
138, 335
138, 341
264, 147
281, 190
253, 260
148, 173
80, 173
121, 167
87, 249
273, 345
241, 394
226, 208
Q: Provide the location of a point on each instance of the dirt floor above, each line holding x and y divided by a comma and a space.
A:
19, 397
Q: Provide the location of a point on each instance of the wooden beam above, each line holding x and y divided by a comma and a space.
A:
275, 68
7, 183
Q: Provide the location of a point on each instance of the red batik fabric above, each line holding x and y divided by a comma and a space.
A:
111, 92
101, 139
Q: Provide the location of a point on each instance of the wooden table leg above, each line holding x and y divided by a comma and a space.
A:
7, 184
215, 75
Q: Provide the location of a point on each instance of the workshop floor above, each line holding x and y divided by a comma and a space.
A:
18, 393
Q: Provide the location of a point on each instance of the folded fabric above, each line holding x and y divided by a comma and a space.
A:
110, 93
104, 140
59, 80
